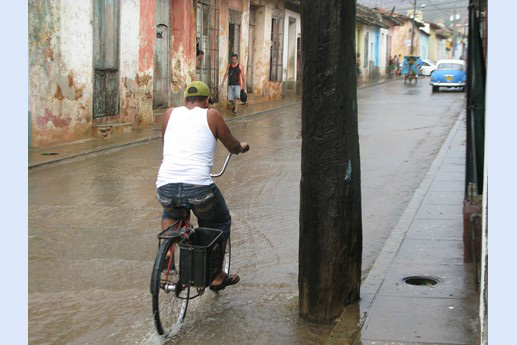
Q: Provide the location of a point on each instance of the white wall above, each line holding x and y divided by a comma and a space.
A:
77, 40
287, 52
383, 51
129, 38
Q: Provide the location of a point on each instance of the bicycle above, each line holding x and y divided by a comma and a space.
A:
181, 266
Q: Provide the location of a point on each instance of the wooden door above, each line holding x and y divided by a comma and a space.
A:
161, 55
105, 56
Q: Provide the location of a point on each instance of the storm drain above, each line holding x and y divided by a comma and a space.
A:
421, 281
49, 153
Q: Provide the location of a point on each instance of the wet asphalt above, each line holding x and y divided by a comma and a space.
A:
92, 226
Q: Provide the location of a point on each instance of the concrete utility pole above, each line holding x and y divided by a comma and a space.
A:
330, 245
413, 29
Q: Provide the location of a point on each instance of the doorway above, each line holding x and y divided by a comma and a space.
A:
161, 55
234, 34
106, 58
291, 49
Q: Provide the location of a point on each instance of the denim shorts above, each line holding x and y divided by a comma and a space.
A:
234, 92
206, 202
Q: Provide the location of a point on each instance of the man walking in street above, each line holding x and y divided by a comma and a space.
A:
236, 80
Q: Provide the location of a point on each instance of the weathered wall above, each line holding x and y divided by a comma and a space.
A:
423, 45
262, 87
401, 34
60, 70
383, 59
433, 46
137, 31
369, 58
183, 48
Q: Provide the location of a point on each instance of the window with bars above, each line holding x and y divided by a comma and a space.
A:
277, 33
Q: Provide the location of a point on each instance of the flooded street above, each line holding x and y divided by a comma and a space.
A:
93, 226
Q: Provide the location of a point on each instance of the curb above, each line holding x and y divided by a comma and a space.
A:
377, 274
95, 152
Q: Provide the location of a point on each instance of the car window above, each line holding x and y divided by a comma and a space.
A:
426, 64
451, 66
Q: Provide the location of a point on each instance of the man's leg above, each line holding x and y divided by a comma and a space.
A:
237, 95
166, 222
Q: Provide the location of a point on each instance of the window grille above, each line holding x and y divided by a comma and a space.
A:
207, 40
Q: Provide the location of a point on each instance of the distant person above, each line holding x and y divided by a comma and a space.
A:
398, 64
199, 58
393, 62
236, 80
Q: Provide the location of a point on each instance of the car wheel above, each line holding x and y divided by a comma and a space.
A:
436, 88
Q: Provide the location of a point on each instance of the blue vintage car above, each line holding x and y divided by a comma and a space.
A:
449, 73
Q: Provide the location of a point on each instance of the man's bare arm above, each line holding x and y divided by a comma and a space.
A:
221, 131
165, 121
243, 78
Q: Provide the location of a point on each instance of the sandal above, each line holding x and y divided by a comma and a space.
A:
228, 280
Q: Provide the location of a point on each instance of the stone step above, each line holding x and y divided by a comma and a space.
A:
103, 130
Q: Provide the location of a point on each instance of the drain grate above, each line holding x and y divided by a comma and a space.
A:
421, 280
49, 153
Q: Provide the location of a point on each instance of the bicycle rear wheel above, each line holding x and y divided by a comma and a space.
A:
169, 304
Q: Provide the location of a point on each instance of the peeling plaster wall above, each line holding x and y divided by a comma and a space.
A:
183, 48
262, 87
401, 34
60, 70
137, 31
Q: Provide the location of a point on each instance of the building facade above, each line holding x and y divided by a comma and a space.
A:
100, 65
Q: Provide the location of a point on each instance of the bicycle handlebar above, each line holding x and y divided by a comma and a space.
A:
224, 167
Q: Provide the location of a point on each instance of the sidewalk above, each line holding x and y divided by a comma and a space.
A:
90, 147
427, 241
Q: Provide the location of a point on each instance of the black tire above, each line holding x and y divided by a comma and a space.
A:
169, 308
436, 88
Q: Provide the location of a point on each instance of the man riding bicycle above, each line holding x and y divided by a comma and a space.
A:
189, 137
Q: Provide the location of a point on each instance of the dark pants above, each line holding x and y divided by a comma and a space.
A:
206, 202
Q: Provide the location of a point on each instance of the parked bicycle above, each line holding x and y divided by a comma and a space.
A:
187, 262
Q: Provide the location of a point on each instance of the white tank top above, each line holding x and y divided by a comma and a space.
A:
188, 148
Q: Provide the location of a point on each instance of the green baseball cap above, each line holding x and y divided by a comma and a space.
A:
197, 88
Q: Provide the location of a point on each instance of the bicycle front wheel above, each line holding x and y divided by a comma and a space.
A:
170, 299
